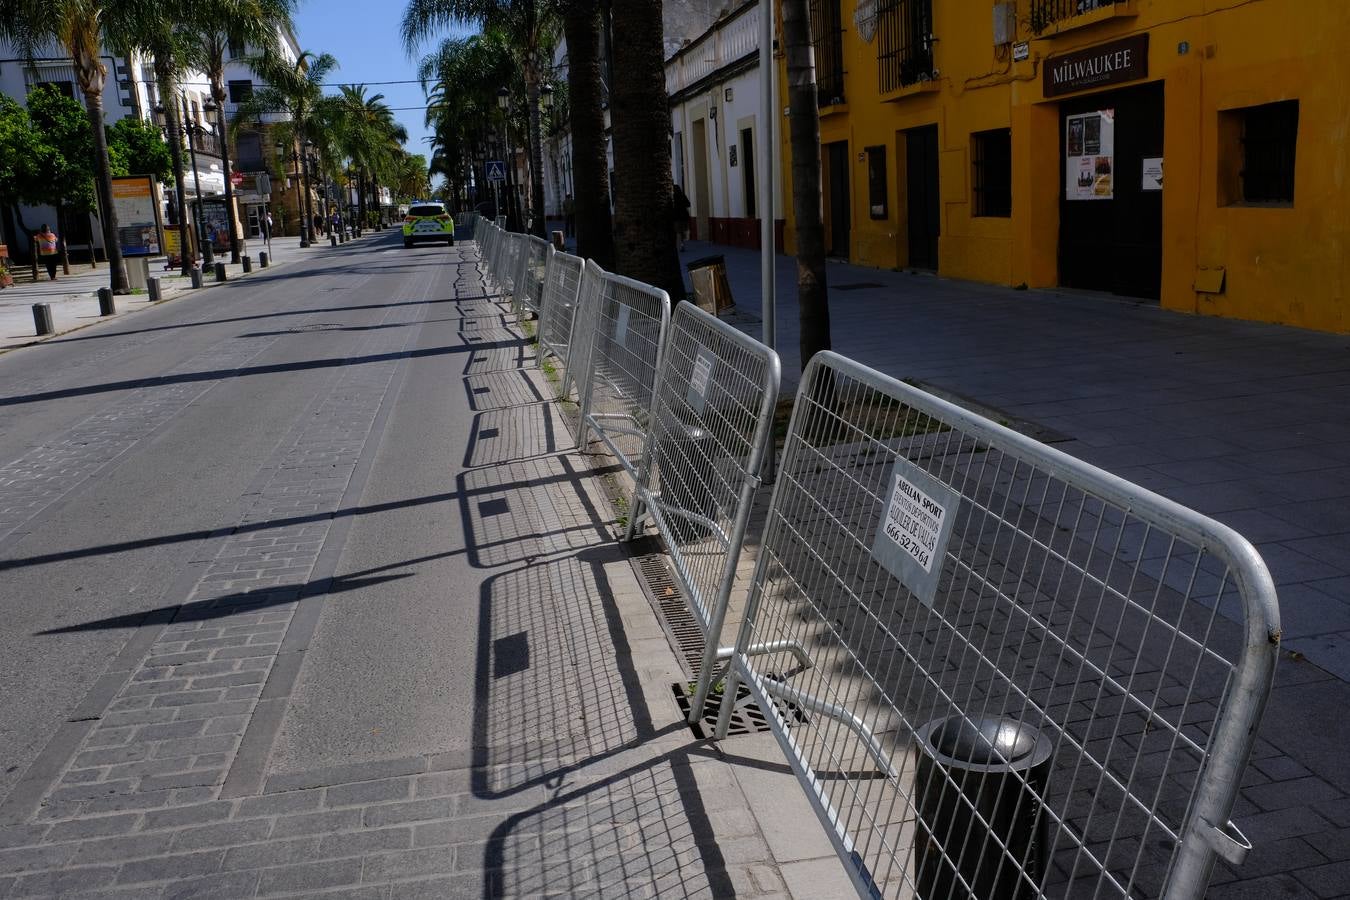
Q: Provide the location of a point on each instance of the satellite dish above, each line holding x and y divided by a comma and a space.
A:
865, 19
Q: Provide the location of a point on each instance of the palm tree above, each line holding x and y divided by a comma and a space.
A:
294, 94
644, 233
367, 135
813, 302
462, 78
79, 28
530, 26
156, 34
586, 114
214, 27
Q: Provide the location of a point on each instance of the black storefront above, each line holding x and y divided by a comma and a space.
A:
1111, 148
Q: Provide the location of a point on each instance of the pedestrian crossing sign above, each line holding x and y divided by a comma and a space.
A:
496, 170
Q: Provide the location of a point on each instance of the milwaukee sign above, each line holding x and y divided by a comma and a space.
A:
1113, 63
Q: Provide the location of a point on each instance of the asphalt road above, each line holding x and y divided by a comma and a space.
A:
125, 448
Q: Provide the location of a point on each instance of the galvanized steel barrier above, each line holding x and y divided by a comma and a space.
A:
623, 322
710, 427
580, 346
562, 285
529, 280
1030, 678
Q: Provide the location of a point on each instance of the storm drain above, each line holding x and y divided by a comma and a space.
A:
746, 715
315, 326
665, 595
669, 601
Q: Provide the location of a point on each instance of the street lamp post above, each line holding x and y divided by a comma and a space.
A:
504, 104
224, 138
192, 128
546, 104
309, 203
166, 116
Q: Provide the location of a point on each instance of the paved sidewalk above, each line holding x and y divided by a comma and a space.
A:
581, 779
74, 297
1242, 421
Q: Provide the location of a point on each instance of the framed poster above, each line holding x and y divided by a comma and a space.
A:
1089, 153
139, 230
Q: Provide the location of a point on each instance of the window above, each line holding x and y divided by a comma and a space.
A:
991, 180
64, 88
827, 35
876, 183
748, 170
248, 152
904, 42
1269, 134
240, 91
236, 48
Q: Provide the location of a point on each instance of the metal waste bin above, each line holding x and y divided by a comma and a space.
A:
979, 789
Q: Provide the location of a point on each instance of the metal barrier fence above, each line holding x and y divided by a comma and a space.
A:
711, 423
1030, 678
624, 323
560, 297
533, 263
580, 346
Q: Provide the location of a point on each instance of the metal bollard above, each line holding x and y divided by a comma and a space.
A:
106, 307
332, 239
220, 272
263, 259
152, 285
196, 277
247, 263
42, 319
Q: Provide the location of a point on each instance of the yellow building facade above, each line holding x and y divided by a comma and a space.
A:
1192, 152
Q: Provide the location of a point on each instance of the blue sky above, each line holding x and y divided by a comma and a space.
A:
364, 37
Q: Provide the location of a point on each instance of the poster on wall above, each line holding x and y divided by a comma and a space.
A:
136, 199
1153, 174
1090, 155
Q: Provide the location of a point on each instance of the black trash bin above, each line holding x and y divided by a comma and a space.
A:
989, 770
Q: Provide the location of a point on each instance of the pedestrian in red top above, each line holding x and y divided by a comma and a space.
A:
46, 241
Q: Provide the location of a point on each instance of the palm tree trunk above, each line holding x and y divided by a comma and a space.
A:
536, 148
644, 229
590, 160
218, 94
168, 91
93, 98
813, 302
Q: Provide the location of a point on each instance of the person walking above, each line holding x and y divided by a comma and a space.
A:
46, 242
680, 211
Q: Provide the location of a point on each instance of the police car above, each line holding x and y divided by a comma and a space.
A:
428, 220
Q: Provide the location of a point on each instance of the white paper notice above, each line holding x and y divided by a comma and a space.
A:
914, 528
621, 326
697, 394
914, 522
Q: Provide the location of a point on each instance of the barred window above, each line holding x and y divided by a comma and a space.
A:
827, 35
991, 181
1269, 135
904, 42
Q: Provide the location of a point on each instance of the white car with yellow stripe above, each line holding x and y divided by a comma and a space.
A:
428, 220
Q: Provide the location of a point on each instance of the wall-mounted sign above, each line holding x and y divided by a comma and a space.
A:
1089, 155
1021, 51
1153, 174
1113, 63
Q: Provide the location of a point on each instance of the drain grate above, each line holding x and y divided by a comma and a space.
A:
316, 326
746, 715
665, 594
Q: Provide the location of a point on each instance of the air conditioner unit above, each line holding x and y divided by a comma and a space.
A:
1005, 23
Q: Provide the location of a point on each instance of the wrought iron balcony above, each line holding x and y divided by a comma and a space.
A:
1045, 13
904, 43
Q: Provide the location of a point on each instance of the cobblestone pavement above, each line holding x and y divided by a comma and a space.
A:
579, 779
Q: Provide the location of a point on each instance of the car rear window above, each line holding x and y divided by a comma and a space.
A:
429, 210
